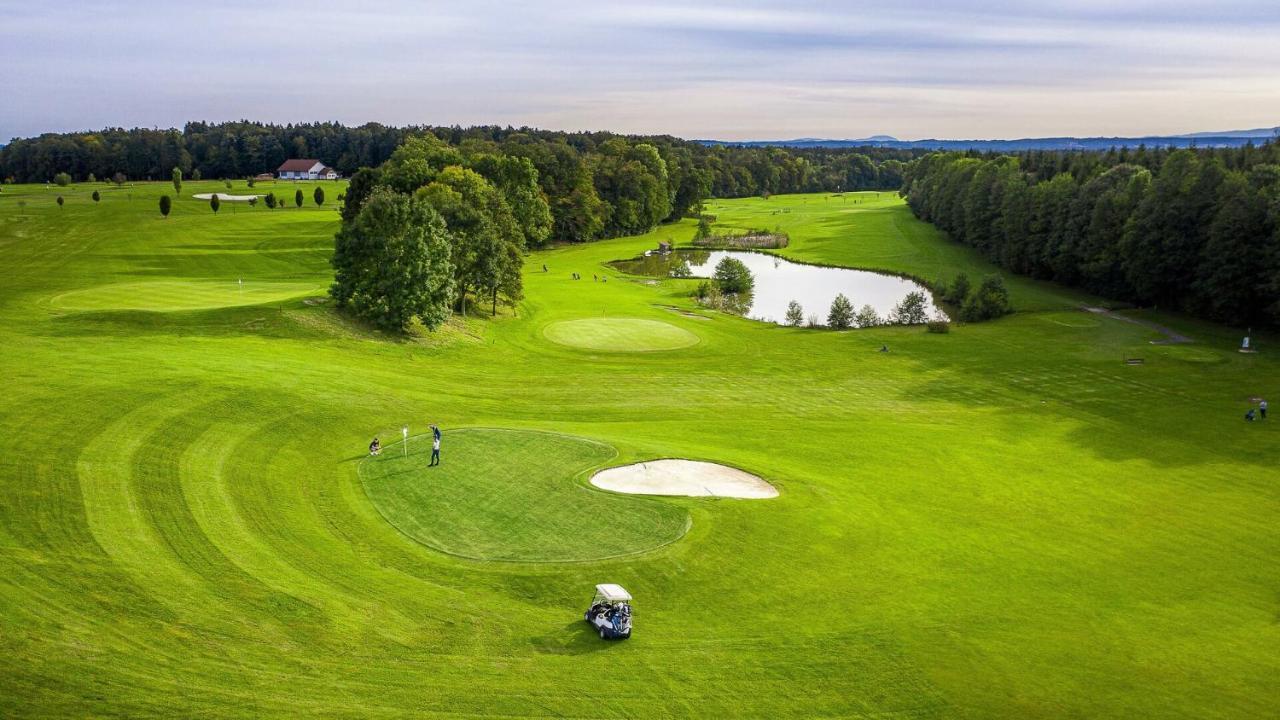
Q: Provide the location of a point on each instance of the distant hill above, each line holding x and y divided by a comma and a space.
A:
1255, 133
1226, 138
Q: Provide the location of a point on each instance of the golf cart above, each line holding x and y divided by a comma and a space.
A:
610, 612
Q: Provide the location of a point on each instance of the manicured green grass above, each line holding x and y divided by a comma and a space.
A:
171, 295
620, 334
512, 495
1004, 521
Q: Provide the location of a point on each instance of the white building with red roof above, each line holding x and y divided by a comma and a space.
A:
305, 170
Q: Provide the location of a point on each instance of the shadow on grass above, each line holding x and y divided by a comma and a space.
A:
575, 638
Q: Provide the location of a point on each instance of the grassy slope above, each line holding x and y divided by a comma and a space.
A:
1003, 521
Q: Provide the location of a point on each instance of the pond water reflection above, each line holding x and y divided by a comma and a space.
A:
779, 281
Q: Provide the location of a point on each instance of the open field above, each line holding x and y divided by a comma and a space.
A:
1006, 521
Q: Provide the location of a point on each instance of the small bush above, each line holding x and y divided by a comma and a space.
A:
96, 196
938, 326
704, 229
165, 205
795, 314
989, 301
60, 201
732, 276
318, 196
297, 198
62, 179
214, 203
911, 311
958, 291
840, 317
867, 317
92, 179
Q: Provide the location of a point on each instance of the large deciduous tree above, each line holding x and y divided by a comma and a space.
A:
392, 263
486, 239
517, 179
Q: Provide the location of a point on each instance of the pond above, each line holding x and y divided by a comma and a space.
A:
779, 281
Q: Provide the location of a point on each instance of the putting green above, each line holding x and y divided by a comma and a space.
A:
173, 295
511, 495
620, 334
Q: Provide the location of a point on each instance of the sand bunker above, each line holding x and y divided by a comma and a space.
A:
223, 197
683, 477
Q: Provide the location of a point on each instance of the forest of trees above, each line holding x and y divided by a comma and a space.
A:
598, 184
1192, 230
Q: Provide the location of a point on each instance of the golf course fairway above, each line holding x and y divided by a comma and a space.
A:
1006, 520
166, 296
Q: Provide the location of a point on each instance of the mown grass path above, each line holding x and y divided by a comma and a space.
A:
1006, 521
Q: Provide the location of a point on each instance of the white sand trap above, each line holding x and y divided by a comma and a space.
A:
223, 197
690, 478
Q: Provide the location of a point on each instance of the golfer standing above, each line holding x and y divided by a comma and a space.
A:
1262, 409
435, 445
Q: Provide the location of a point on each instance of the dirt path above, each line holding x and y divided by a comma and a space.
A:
1171, 337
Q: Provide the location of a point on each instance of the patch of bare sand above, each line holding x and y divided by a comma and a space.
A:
690, 478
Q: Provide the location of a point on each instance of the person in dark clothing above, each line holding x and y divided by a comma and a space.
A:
435, 445
1262, 409
375, 447
1249, 415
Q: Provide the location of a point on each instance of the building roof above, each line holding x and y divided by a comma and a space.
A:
297, 165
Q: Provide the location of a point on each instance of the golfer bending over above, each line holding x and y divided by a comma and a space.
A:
435, 445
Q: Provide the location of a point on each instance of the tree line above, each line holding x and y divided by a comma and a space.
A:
597, 184
1192, 230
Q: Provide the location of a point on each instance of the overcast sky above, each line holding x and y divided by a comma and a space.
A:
742, 70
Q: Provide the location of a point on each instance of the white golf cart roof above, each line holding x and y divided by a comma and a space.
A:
612, 592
